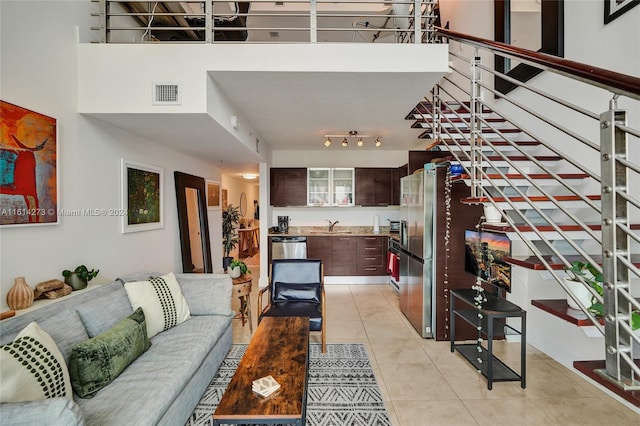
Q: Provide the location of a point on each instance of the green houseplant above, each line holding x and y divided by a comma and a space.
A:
79, 277
237, 268
230, 222
590, 275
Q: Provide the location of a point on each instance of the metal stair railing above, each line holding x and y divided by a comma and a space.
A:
263, 21
609, 161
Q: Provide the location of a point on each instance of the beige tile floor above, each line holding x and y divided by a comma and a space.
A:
423, 383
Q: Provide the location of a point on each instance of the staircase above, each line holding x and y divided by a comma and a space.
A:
563, 178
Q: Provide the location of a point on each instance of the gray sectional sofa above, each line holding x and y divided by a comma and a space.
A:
163, 385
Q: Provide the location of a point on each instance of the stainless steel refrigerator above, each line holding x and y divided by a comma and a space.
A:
418, 198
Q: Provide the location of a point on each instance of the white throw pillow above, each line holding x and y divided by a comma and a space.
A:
161, 300
32, 368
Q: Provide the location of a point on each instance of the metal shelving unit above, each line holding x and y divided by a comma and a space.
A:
491, 320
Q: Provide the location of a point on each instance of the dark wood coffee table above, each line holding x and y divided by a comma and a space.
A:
280, 348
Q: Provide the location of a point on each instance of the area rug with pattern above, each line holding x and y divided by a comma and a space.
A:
342, 388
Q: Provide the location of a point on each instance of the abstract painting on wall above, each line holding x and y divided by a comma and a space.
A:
142, 189
28, 167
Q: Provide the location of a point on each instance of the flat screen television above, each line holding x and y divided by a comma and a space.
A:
484, 257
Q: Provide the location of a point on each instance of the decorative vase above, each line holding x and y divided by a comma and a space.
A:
75, 282
234, 272
492, 214
20, 296
581, 292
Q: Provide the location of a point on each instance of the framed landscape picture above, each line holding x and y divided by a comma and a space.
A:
28, 167
213, 195
615, 8
142, 197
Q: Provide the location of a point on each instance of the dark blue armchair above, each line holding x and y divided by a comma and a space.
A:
296, 289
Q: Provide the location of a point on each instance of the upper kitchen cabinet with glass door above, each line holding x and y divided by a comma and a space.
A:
330, 187
318, 187
342, 188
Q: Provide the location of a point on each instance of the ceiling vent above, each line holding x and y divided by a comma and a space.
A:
166, 93
274, 34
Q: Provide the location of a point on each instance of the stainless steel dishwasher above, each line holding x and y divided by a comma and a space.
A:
288, 247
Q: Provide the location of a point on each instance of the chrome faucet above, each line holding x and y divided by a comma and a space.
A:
331, 225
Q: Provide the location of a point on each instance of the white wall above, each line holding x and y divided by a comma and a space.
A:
39, 72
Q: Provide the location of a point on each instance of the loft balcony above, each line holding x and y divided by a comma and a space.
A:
261, 21
332, 66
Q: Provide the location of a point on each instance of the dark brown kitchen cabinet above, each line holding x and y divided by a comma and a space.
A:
417, 159
397, 174
343, 260
288, 187
349, 255
374, 186
321, 248
371, 252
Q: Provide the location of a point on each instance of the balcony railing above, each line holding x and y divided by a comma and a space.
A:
262, 21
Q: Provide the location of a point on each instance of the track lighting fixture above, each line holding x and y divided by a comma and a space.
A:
352, 135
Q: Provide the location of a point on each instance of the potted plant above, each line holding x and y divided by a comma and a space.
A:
79, 277
574, 284
237, 268
230, 221
590, 275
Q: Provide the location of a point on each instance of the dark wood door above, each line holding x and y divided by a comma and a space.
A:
382, 187
373, 186
344, 258
364, 186
288, 187
321, 248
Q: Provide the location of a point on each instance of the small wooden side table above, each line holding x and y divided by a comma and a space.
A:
242, 289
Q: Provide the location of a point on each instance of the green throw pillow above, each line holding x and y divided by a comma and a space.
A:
98, 361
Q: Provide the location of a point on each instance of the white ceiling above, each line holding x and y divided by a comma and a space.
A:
294, 110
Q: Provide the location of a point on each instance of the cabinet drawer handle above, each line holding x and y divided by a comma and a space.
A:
370, 269
369, 258
371, 248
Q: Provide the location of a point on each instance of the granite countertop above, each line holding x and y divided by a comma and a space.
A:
357, 231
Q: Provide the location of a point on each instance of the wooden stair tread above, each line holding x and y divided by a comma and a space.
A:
426, 135
532, 262
544, 228
427, 108
531, 175
560, 308
419, 121
533, 198
588, 368
514, 158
